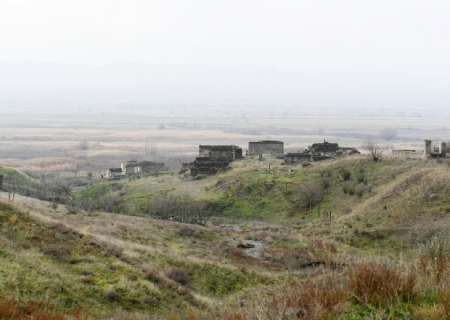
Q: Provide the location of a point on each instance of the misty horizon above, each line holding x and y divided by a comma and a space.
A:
140, 84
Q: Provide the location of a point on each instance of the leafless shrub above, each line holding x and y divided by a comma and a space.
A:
345, 174
153, 275
72, 208
325, 181
178, 275
185, 231
359, 190
361, 178
62, 188
375, 150
310, 194
58, 251
114, 250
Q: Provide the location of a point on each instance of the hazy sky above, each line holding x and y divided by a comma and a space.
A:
385, 35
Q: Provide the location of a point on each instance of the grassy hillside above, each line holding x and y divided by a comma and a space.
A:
65, 269
271, 250
14, 179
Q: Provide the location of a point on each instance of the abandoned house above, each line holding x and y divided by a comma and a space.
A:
141, 167
114, 173
319, 152
212, 159
209, 165
266, 147
216, 151
133, 167
427, 153
296, 157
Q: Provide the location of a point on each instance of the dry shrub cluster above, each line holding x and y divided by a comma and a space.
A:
11, 310
333, 292
178, 275
305, 164
345, 174
378, 284
434, 258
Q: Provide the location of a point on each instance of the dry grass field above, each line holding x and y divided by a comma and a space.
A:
88, 140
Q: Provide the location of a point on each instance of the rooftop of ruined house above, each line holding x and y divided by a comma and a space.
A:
269, 141
219, 147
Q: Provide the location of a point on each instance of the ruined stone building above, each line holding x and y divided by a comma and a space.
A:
216, 151
141, 167
133, 167
212, 159
319, 152
114, 173
426, 153
208, 165
266, 147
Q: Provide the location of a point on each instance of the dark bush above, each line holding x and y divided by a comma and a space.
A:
178, 275
111, 295
305, 164
345, 174
348, 188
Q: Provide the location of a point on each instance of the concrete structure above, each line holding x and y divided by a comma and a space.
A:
141, 167
114, 173
299, 157
212, 159
216, 151
443, 149
319, 152
427, 148
133, 167
266, 147
209, 165
408, 154
426, 153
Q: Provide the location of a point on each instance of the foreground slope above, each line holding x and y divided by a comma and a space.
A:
268, 244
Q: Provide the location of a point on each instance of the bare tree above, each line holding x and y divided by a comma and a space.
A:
375, 149
62, 188
310, 194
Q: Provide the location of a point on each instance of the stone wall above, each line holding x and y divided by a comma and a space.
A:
408, 154
229, 152
426, 153
294, 158
141, 167
324, 147
209, 165
274, 148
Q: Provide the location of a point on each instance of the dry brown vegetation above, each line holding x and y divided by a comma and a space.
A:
93, 141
